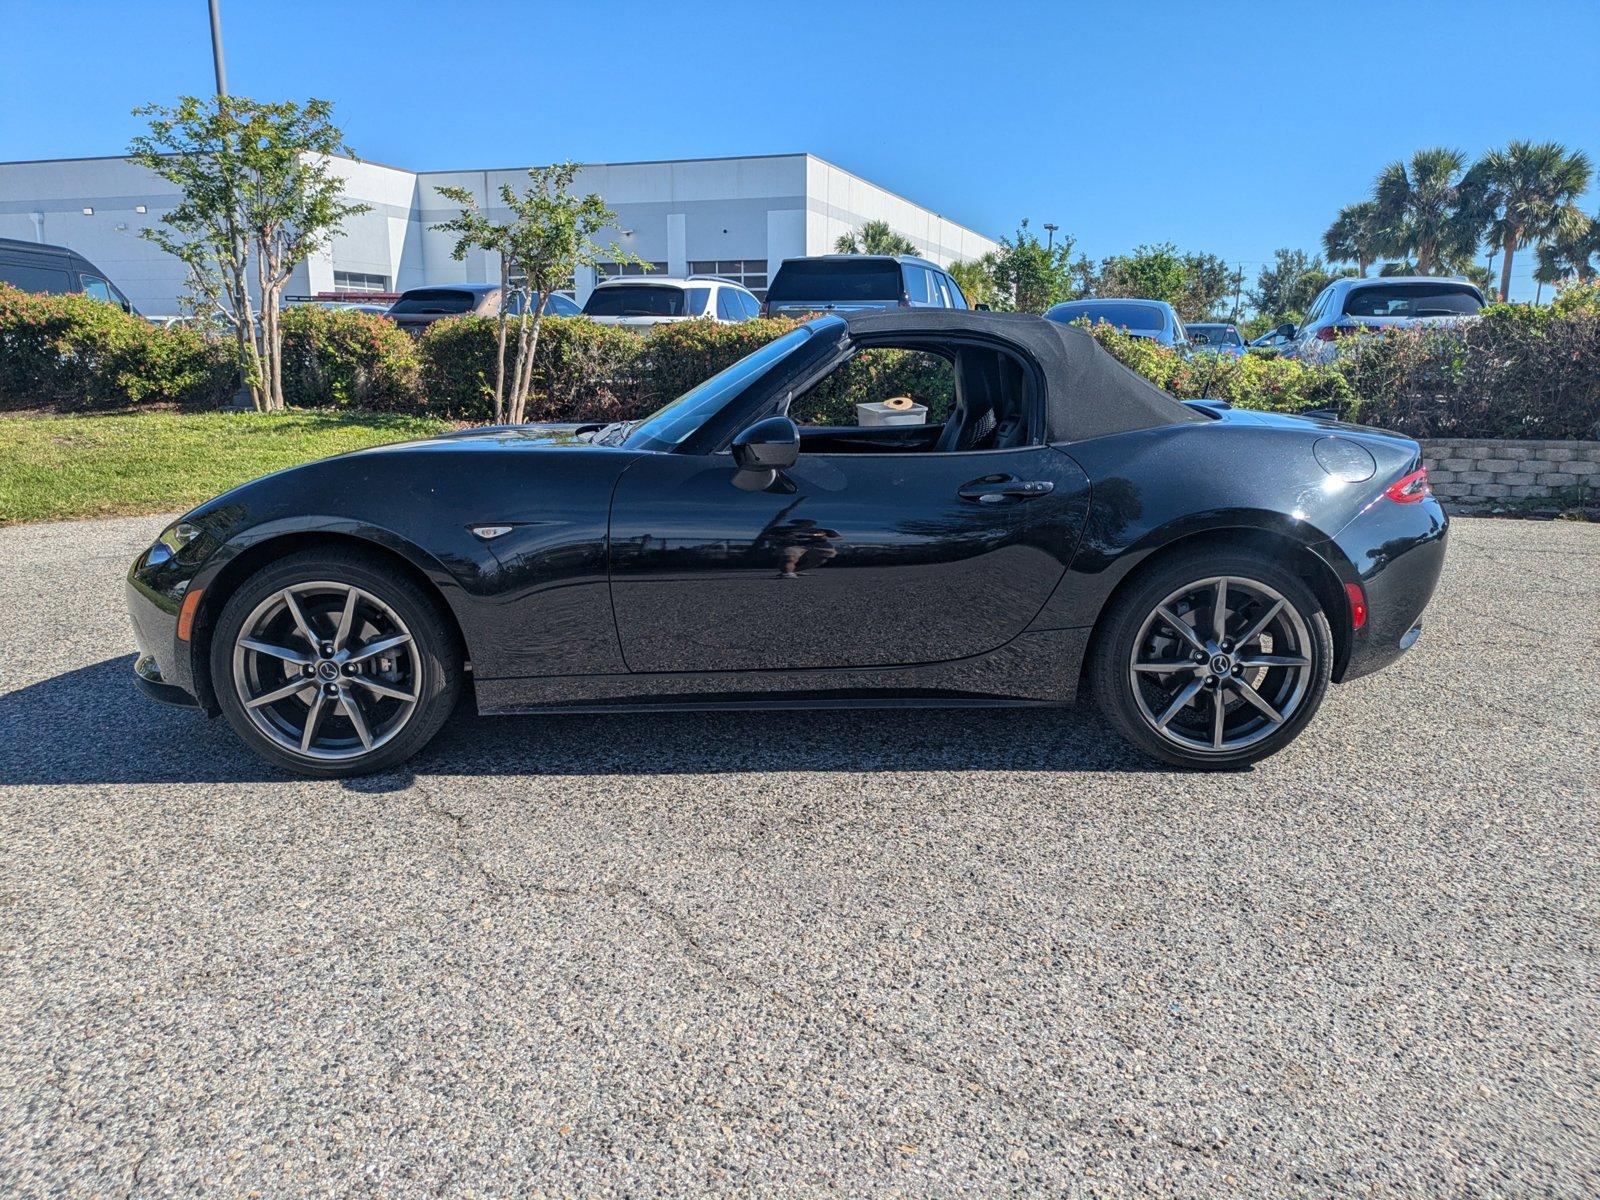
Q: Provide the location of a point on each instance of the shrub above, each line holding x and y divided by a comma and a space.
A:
1515, 372
584, 371
338, 358
74, 353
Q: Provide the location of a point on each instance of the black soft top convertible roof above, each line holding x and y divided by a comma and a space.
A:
1088, 394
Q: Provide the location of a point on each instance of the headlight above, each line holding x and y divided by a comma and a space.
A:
172, 542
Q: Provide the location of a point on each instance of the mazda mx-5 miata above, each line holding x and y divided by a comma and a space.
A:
1066, 527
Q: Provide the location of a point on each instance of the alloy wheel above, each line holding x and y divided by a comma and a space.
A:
328, 671
1220, 664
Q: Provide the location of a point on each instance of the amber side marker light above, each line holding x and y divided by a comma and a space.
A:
191, 604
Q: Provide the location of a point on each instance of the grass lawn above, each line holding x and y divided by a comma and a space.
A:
58, 467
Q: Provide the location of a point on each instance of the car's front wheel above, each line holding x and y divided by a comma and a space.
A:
332, 665
1213, 660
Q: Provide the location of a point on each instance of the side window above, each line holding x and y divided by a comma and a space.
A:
916, 284
727, 306
751, 306
957, 300
1316, 313
32, 278
695, 301
873, 376
96, 288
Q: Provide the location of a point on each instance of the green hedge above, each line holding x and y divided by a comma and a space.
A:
339, 358
1516, 372
74, 353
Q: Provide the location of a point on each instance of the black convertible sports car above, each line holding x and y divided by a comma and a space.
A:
1205, 571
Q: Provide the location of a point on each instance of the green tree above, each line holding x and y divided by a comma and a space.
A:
1289, 283
259, 196
875, 237
975, 277
1031, 276
1356, 236
1570, 250
1423, 212
1523, 193
548, 236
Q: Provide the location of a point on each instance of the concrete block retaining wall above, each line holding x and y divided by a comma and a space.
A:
1475, 471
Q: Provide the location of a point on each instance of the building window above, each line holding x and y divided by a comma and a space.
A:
751, 272
607, 270
355, 281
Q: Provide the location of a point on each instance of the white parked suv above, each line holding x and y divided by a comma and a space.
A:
643, 301
1353, 305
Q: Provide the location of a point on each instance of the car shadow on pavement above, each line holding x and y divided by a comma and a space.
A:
90, 726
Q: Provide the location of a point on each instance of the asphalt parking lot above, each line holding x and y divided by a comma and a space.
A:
926, 954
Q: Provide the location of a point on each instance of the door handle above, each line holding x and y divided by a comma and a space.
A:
994, 491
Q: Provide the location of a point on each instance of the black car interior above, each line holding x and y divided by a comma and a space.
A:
992, 403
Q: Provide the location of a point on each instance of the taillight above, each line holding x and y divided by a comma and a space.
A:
1411, 488
1358, 605
766, 309
1327, 333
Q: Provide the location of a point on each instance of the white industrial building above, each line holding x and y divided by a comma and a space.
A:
737, 217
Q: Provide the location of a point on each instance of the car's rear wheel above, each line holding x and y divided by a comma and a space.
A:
333, 665
1213, 660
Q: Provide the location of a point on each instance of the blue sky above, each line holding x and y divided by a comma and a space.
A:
1232, 129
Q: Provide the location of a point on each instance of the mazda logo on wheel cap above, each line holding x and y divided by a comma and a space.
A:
1221, 664
327, 670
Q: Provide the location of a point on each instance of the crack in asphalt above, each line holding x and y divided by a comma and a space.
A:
695, 949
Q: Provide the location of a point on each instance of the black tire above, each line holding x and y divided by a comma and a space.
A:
432, 655
1134, 702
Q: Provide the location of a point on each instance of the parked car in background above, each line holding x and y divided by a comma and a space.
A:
846, 283
1353, 306
420, 307
557, 304
38, 267
1216, 337
1153, 319
1273, 341
640, 301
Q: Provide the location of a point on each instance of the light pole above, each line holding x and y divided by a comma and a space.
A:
1051, 230
216, 50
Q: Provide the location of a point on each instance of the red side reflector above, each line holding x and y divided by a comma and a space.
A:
1358, 605
191, 605
1411, 488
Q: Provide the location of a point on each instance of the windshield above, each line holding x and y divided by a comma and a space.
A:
646, 300
1144, 317
824, 280
669, 426
1215, 335
433, 300
1413, 300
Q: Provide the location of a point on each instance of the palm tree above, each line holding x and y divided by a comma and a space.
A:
1355, 235
1421, 209
1569, 249
1525, 189
875, 237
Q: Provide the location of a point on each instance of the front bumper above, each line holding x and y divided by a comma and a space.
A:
163, 669
147, 678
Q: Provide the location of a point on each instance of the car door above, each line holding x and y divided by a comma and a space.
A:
849, 560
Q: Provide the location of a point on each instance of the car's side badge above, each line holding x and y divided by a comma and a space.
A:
487, 532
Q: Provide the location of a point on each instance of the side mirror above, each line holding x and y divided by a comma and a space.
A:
980, 308
762, 450
770, 444
1285, 330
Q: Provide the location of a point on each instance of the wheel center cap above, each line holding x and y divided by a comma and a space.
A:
1221, 664
327, 670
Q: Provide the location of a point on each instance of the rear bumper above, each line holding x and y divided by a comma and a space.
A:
1397, 553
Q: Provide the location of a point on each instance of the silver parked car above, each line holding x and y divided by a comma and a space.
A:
1153, 319
641, 301
1353, 305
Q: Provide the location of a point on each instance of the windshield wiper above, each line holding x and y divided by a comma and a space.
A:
612, 434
